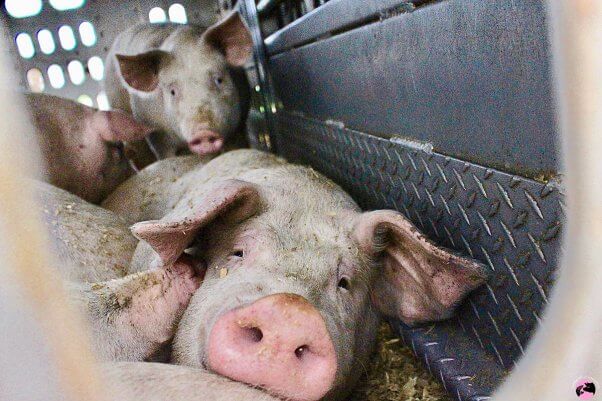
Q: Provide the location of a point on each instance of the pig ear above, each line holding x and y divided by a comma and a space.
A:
113, 126
233, 200
420, 281
231, 37
141, 71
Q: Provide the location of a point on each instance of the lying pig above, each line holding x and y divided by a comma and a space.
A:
297, 280
81, 146
131, 316
184, 80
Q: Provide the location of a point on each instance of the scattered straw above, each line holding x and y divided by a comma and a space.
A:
396, 375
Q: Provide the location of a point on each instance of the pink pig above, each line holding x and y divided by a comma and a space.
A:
184, 80
297, 279
81, 146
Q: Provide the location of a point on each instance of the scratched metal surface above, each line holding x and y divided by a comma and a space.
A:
510, 223
471, 77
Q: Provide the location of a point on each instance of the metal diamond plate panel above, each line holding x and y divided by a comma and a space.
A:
510, 223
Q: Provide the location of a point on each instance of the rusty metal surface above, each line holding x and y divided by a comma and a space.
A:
510, 223
473, 78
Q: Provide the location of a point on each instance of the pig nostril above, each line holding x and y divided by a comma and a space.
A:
300, 351
253, 334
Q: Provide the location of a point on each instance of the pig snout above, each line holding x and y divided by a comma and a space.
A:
205, 142
280, 343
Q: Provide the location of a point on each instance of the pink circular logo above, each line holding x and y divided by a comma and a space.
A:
585, 388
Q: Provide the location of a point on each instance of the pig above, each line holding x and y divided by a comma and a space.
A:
184, 80
141, 189
81, 146
92, 244
131, 316
134, 381
297, 277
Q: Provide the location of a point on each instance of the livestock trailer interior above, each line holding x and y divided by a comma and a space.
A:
441, 109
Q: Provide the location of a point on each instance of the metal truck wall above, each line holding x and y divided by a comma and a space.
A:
442, 110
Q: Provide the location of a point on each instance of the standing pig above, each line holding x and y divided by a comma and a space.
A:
81, 146
184, 80
297, 278
130, 315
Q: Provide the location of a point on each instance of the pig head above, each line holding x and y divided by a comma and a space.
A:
81, 146
191, 86
297, 279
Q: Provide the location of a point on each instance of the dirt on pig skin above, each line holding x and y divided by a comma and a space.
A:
394, 374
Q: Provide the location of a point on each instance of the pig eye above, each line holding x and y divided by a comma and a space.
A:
344, 283
218, 80
173, 91
238, 253
117, 149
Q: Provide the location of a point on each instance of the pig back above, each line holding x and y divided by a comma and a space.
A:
165, 185
92, 244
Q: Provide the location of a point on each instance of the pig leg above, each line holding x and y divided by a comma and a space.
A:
131, 381
132, 317
148, 194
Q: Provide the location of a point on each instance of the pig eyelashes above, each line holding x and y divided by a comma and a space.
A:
236, 256
217, 81
239, 253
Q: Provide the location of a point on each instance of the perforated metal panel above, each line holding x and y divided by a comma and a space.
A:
108, 18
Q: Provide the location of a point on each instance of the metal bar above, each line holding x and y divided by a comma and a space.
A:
332, 16
248, 9
265, 6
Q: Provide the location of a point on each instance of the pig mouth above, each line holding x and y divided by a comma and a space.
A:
206, 142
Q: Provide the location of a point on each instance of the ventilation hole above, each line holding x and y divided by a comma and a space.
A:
23, 9
177, 14
85, 99
67, 38
63, 5
102, 101
35, 80
87, 33
25, 45
96, 68
156, 15
56, 76
46, 41
76, 72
